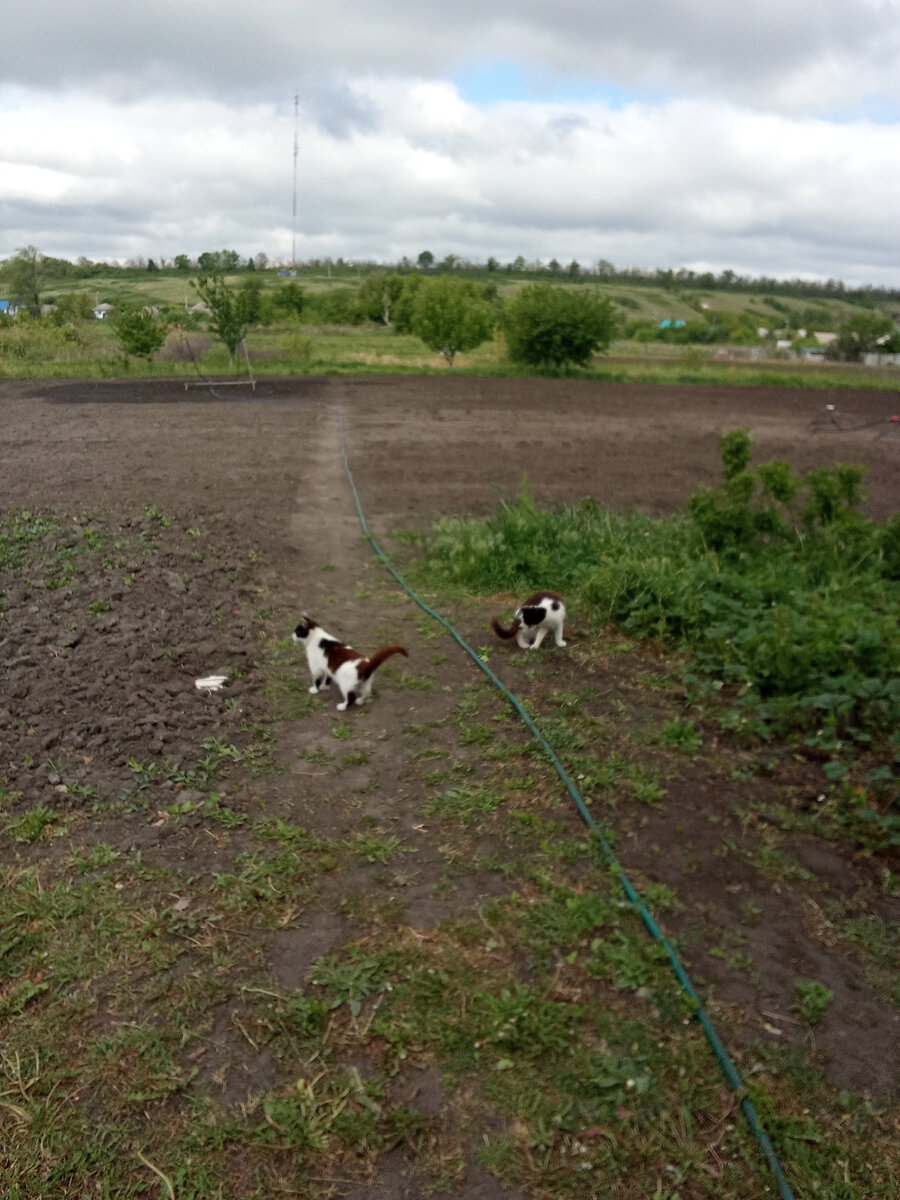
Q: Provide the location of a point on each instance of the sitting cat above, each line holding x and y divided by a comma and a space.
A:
332, 661
542, 612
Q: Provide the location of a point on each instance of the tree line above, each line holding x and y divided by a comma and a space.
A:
231, 262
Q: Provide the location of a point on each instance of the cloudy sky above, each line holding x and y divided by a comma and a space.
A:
760, 136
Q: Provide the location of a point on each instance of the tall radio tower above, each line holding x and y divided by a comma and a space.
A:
294, 202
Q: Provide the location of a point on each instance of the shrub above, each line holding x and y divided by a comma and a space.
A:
551, 327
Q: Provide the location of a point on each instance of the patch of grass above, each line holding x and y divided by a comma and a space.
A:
31, 826
466, 803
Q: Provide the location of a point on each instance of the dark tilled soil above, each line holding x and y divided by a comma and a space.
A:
200, 523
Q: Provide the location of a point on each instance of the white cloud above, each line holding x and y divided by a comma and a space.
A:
168, 127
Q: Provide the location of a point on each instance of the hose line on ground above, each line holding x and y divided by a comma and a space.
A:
729, 1069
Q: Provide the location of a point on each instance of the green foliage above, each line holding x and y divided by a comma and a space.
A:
450, 316
139, 331
23, 275
73, 306
336, 306
550, 327
403, 306
786, 596
232, 310
289, 300
866, 332
378, 293
27, 340
32, 825
813, 999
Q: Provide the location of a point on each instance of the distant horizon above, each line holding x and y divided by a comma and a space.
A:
599, 269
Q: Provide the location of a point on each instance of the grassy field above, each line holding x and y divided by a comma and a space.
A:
91, 351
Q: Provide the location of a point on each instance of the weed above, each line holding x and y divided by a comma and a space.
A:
813, 1000
31, 826
682, 736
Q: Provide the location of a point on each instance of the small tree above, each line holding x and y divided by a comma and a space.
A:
550, 327
377, 294
232, 310
139, 331
450, 316
23, 276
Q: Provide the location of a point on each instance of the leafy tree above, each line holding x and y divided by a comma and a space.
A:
426, 260
865, 333
549, 327
232, 310
377, 294
23, 275
450, 316
139, 331
182, 262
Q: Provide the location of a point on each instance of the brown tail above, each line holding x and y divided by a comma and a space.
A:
377, 659
504, 633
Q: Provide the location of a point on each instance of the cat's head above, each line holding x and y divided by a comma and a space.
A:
306, 626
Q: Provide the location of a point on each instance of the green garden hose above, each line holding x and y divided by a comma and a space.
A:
729, 1070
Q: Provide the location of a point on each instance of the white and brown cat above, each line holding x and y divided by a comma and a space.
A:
540, 614
332, 661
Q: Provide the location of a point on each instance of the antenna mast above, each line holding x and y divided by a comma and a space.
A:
294, 202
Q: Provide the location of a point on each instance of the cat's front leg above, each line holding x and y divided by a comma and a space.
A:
559, 638
319, 682
541, 634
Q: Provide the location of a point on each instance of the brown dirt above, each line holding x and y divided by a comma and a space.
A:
260, 474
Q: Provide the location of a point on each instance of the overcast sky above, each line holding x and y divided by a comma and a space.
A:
760, 136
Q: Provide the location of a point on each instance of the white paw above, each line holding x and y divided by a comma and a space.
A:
314, 691
561, 643
342, 707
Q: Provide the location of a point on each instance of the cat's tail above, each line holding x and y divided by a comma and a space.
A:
377, 659
504, 633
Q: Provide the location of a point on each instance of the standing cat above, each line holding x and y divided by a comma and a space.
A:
541, 613
331, 661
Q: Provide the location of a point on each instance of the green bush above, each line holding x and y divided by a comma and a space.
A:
552, 327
